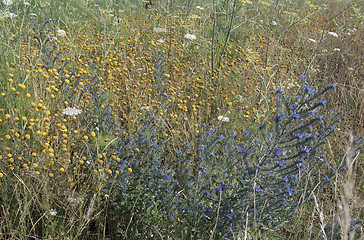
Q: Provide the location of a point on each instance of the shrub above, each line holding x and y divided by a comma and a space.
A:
225, 182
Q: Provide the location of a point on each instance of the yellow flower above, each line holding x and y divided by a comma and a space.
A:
130, 170
1, 175
93, 134
22, 86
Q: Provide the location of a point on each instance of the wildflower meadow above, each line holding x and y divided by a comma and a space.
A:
179, 119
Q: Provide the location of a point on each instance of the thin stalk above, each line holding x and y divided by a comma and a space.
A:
228, 34
213, 40
217, 218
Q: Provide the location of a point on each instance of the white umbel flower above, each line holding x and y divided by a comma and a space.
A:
190, 37
223, 119
160, 41
61, 33
200, 8
312, 40
159, 30
53, 212
8, 14
71, 111
75, 200
7, 2
146, 108
334, 34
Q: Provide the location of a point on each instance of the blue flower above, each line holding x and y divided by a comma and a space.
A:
278, 152
303, 77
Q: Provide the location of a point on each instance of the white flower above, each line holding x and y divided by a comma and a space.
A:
74, 201
198, 7
160, 41
351, 69
241, 98
8, 14
53, 212
334, 34
140, 69
159, 30
7, 2
71, 111
223, 119
33, 14
312, 40
190, 37
26, 3
147, 108
61, 33
274, 23
337, 49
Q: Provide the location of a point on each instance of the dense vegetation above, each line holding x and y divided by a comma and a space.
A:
226, 119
